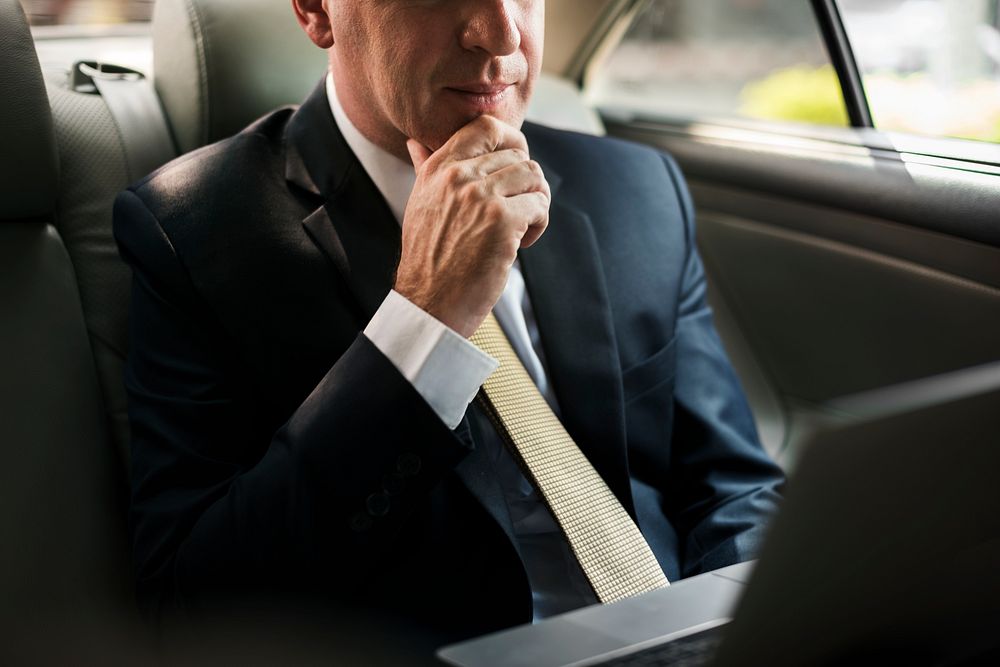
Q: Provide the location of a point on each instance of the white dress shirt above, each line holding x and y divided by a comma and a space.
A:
447, 371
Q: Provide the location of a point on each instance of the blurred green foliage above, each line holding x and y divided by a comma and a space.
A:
912, 104
802, 93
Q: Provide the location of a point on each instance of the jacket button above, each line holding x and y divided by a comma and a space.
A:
408, 464
393, 484
360, 522
378, 504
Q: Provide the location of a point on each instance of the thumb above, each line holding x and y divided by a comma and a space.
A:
418, 153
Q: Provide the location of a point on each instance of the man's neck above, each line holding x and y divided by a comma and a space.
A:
391, 141
393, 176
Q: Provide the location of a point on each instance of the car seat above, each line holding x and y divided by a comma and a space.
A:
63, 550
221, 64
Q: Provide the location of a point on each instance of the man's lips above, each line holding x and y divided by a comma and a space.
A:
481, 97
481, 88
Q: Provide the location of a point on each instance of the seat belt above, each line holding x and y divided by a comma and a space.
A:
135, 108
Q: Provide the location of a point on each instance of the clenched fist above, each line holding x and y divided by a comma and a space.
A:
477, 200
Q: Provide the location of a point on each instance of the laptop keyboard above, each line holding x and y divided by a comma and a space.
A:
691, 651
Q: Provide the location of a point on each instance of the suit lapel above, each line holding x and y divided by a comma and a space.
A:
353, 226
358, 233
565, 282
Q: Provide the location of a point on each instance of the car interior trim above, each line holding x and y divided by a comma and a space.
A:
951, 201
976, 262
609, 29
841, 54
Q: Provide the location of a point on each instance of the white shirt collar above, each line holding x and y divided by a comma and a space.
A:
393, 177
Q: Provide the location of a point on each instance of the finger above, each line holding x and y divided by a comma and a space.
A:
517, 179
534, 232
418, 153
532, 207
512, 138
484, 165
484, 135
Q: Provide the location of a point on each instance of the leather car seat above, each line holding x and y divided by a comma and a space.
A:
63, 549
94, 167
221, 64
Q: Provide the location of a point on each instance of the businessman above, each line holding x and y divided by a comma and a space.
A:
318, 300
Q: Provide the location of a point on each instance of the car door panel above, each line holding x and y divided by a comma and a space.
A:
835, 268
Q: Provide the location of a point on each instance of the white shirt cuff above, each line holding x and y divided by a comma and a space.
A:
445, 368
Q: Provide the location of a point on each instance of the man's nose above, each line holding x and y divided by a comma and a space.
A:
492, 27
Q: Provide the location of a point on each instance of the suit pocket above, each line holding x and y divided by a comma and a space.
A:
650, 373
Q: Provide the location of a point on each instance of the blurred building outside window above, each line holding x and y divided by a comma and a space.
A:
758, 59
930, 67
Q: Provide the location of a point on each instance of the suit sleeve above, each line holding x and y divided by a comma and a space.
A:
220, 508
723, 487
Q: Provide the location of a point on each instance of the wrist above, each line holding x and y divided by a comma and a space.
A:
453, 316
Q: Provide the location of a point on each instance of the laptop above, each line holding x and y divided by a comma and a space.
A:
886, 551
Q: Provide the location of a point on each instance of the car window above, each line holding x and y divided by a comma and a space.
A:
929, 67
84, 12
760, 59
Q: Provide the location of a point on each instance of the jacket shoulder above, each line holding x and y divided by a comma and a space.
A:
599, 173
249, 161
212, 213
575, 151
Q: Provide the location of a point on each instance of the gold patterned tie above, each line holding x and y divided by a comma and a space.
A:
607, 543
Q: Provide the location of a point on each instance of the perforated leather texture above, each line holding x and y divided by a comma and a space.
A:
93, 170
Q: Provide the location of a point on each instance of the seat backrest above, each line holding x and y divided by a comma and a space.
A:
221, 64
93, 168
62, 519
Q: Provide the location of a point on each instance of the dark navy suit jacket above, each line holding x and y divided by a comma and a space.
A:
276, 452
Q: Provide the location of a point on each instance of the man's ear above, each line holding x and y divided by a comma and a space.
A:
315, 21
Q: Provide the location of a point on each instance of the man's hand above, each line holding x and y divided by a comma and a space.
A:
476, 201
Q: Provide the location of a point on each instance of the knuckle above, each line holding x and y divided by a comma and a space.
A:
494, 209
489, 121
491, 126
452, 175
469, 193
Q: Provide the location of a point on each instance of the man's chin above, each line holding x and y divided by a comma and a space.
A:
439, 137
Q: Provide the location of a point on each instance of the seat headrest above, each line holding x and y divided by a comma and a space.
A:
28, 163
220, 64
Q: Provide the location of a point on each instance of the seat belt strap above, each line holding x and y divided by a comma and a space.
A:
136, 110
